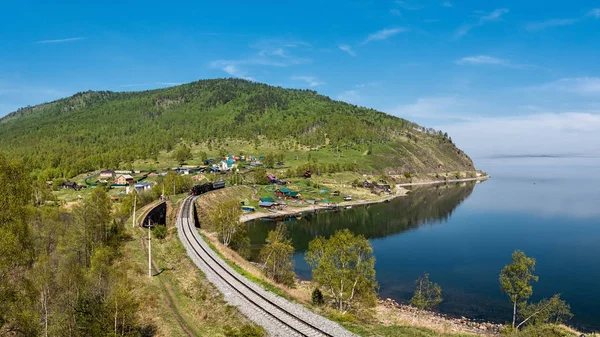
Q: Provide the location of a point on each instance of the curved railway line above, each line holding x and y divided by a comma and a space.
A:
277, 315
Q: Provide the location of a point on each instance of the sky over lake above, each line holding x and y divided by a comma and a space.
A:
501, 77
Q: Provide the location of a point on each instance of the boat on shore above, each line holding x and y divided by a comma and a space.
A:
248, 209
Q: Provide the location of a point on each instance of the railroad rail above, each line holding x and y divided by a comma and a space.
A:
277, 315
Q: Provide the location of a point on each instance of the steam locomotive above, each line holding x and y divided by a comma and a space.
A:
207, 187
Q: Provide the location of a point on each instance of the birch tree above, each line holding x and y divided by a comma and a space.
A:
427, 294
224, 217
276, 256
516, 279
344, 267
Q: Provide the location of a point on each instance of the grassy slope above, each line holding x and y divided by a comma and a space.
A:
191, 299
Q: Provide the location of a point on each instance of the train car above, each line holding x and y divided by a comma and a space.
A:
200, 189
218, 184
207, 187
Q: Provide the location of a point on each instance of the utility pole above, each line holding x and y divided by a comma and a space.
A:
149, 253
134, 203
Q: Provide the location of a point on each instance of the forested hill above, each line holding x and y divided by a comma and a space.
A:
102, 129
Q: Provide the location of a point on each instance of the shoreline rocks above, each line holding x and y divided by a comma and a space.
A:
441, 320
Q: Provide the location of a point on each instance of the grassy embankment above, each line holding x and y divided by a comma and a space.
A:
179, 301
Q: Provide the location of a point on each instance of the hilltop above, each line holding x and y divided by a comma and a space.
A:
103, 129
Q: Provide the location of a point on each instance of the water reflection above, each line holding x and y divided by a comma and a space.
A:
547, 207
423, 206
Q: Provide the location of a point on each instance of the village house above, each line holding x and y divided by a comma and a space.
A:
227, 165
107, 174
140, 187
124, 179
267, 204
70, 184
183, 170
272, 178
286, 193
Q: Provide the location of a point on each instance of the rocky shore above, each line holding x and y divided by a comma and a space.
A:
392, 312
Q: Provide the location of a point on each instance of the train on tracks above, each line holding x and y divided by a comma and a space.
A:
207, 187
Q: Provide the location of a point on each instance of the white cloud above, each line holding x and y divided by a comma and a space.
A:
436, 108
535, 26
271, 53
8, 91
278, 49
483, 19
482, 59
408, 6
347, 49
494, 15
369, 84
232, 68
350, 96
71, 39
579, 85
540, 133
383, 34
395, 12
310, 80
447, 4
235, 71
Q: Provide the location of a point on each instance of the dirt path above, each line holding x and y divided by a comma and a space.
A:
169, 292
170, 295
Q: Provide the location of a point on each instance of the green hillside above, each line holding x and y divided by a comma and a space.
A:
103, 129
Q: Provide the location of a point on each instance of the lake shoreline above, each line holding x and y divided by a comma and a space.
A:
312, 208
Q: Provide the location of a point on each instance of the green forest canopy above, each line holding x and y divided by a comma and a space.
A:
102, 129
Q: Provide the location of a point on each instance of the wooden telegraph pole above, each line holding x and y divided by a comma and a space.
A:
149, 253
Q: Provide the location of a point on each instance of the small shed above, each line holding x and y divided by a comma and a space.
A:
70, 184
266, 204
107, 174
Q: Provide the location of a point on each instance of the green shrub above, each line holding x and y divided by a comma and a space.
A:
317, 297
160, 231
545, 330
247, 330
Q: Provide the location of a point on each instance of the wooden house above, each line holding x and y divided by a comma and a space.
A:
107, 174
286, 193
70, 184
124, 179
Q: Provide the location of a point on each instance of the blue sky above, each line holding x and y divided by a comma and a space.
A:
500, 76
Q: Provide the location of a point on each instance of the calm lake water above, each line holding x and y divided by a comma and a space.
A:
463, 234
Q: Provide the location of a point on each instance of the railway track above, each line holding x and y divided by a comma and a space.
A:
278, 316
